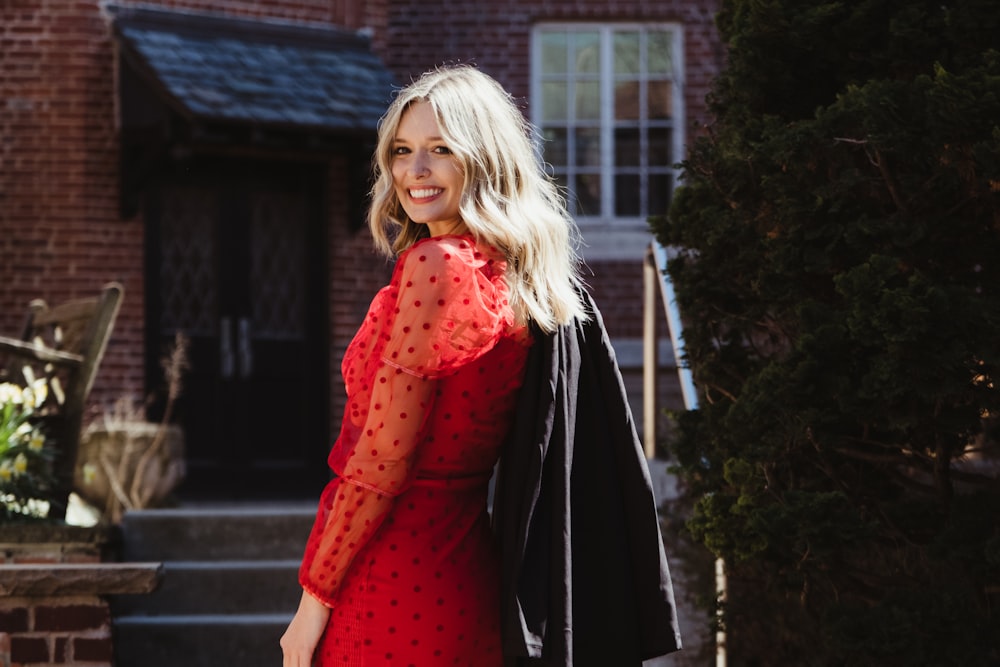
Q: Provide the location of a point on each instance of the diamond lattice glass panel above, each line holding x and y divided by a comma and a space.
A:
554, 52
277, 261
188, 261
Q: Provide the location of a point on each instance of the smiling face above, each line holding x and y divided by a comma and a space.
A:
426, 175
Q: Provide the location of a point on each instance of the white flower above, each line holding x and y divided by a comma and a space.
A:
10, 393
89, 473
40, 390
20, 464
6, 472
36, 442
34, 394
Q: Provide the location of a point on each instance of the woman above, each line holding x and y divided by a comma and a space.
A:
400, 567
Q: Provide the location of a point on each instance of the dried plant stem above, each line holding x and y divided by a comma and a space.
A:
174, 366
113, 480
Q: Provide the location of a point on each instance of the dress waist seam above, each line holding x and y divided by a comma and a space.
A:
451, 483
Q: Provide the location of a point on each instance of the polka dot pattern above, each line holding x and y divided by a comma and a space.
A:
401, 548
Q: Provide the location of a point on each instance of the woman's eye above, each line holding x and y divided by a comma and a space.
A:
400, 150
442, 150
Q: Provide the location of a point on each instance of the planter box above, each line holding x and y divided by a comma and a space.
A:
108, 459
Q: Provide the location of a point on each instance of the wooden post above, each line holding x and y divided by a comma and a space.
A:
650, 354
655, 266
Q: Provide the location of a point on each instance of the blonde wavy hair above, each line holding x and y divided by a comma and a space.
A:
508, 201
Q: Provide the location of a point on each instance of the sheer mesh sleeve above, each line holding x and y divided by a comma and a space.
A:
447, 313
371, 474
451, 308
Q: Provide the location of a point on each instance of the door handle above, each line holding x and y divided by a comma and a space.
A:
225, 348
245, 348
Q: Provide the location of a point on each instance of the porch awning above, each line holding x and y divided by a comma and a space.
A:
215, 69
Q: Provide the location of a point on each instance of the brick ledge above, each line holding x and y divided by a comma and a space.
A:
49, 580
49, 533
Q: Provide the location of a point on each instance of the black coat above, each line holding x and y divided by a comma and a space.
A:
584, 574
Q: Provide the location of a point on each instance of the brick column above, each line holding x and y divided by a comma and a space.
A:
53, 595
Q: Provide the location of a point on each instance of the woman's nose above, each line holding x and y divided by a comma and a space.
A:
419, 164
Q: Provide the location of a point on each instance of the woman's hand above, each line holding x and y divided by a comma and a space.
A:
303, 634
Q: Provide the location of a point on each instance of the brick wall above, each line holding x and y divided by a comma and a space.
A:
61, 236
58, 629
357, 273
58, 613
617, 288
354, 14
496, 36
313, 11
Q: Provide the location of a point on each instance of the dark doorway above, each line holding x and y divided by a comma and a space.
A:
236, 261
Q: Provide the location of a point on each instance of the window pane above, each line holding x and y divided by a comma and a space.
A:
659, 147
659, 99
562, 184
587, 52
658, 53
555, 147
554, 100
627, 100
627, 147
554, 52
588, 194
588, 100
627, 53
588, 147
659, 193
608, 137
627, 194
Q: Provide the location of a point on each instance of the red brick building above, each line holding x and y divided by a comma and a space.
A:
228, 199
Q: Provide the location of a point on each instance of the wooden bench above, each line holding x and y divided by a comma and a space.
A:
64, 345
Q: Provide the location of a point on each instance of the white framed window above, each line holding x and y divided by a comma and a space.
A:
607, 99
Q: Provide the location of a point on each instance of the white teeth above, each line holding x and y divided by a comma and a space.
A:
424, 192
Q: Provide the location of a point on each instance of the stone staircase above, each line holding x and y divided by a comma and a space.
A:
229, 587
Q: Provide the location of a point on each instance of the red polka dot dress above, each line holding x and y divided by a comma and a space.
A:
401, 550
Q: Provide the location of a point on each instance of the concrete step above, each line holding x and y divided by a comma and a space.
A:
248, 640
229, 587
265, 532
218, 587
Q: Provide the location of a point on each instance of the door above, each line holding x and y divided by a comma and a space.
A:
236, 262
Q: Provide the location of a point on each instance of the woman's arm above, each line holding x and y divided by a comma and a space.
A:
303, 634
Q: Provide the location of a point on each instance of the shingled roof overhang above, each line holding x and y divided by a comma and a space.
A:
191, 83
262, 73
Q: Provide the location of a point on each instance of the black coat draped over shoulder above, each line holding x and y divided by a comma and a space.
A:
585, 581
